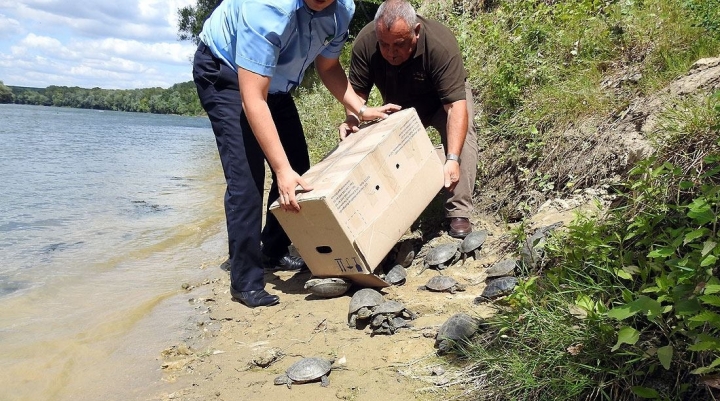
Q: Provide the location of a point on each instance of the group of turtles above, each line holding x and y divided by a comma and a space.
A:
500, 277
458, 329
368, 307
439, 257
500, 280
445, 255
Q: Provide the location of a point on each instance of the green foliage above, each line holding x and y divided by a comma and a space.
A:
364, 13
191, 19
548, 64
321, 114
179, 99
6, 95
632, 301
705, 14
676, 246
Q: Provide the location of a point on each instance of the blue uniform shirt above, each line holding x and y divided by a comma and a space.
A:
276, 38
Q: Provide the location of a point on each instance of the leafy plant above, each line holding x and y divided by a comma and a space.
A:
705, 13
678, 256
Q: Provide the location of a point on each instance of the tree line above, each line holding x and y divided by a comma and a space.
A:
179, 99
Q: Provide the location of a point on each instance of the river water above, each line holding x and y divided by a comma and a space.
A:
103, 217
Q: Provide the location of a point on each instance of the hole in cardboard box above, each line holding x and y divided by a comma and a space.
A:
323, 249
397, 166
377, 187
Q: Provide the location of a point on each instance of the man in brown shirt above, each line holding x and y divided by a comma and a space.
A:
416, 62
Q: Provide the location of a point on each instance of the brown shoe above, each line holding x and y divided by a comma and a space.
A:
459, 227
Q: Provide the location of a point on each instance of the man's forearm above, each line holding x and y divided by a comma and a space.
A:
457, 123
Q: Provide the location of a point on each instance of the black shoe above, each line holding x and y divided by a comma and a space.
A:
225, 265
287, 262
254, 298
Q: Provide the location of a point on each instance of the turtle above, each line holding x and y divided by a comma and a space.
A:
393, 308
472, 243
497, 287
442, 284
505, 267
361, 305
405, 254
396, 275
327, 287
458, 328
532, 251
306, 370
385, 317
441, 256
398, 322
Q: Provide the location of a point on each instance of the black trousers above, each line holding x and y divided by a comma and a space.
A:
243, 164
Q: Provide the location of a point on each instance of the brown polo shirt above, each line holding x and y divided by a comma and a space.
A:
430, 78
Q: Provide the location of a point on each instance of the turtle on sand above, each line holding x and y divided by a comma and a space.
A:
327, 287
442, 284
472, 244
306, 370
396, 276
405, 254
385, 317
362, 304
441, 256
496, 288
457, 329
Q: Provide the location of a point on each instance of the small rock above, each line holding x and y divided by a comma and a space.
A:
266, 357
437, 371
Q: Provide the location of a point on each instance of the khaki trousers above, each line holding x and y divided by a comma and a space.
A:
459, 202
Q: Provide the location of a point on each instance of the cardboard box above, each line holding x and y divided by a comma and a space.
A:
366, 193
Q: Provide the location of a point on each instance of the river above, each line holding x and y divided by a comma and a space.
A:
104, 216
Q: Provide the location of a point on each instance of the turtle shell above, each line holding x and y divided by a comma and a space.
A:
308, 369
389, 308
504, 267
397, 275
440, 283
398, 322
327, 287
459, 327
473, 241
405, 254
499, 286
441, 253
366, 297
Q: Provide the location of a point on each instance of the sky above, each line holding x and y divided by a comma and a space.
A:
110, 44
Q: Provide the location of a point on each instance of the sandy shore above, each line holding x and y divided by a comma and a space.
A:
237, 351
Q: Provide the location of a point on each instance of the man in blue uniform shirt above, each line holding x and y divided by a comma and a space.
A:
252, 54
